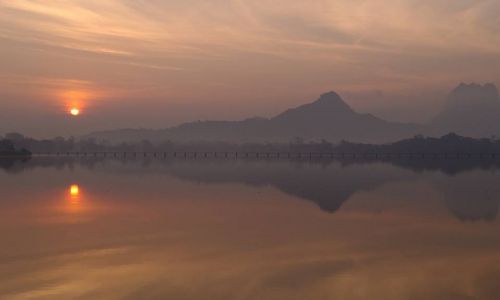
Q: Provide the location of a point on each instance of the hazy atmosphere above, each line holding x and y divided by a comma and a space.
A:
138, 63
250, 149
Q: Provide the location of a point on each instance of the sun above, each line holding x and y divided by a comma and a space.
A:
74, 111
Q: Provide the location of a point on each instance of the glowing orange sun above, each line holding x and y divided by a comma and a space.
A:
74, 111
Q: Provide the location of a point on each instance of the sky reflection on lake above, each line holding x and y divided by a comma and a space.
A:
152, 229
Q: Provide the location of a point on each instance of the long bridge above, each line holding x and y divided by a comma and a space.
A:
266, 155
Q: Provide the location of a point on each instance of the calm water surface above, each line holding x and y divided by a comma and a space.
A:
235, 229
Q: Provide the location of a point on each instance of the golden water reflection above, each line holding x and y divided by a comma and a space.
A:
75, 206
74, 191
75, 199
122, 236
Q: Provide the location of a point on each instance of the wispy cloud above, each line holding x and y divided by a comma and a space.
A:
200, 29
301, 46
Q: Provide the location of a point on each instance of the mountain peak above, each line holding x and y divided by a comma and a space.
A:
333, 102
329, 96
471, 109
472, 94
327, 106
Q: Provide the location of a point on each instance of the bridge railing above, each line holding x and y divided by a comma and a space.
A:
264, 155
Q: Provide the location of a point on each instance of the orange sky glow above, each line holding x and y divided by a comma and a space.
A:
158, 63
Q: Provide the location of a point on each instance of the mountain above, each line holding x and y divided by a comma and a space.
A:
470, 110
329, 118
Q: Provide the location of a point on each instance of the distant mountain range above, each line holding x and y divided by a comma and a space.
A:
471, 110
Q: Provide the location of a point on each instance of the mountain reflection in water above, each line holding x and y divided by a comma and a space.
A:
249, 229
469, 187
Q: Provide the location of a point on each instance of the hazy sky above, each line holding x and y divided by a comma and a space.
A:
155, 63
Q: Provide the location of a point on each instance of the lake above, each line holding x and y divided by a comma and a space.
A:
82, 228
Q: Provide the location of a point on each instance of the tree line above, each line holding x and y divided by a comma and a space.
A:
16, 143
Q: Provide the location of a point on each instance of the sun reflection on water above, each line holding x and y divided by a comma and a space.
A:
74, 190
74, 199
